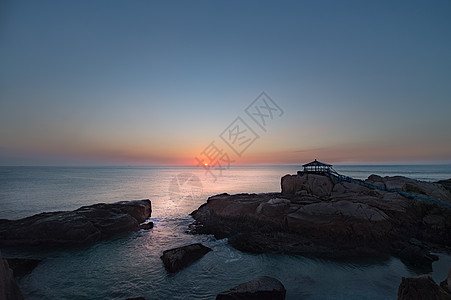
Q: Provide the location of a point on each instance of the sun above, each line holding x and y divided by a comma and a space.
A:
206, 164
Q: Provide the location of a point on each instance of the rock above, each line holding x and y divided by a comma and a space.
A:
394, 183
273, 207
9, 290
434, 220
22, 266
339, 189
415, 242
374, 179
404, 184
85, 225
181, 257
417, 256
287, 184
446, 284
352, 187
421, 287
445, 183
265, 288
317, 185
345, 208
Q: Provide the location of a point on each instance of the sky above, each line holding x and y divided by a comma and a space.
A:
163, 82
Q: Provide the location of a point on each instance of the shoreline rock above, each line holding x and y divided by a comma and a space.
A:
86, 225
316, 217
421, 287
22, 266
9, 290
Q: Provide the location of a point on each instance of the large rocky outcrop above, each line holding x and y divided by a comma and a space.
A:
85, 225
264, 288
8, 286
323, 186
331, 220
420, 288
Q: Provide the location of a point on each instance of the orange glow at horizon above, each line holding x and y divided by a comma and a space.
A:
164, 152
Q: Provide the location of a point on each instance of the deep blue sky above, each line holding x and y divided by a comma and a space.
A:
154, 82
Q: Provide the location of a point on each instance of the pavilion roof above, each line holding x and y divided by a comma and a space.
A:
316, 163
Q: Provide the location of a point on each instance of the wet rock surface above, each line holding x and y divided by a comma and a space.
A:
332, 220
85, 225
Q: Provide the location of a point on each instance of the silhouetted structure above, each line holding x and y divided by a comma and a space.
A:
317, 167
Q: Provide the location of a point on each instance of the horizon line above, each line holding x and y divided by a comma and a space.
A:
232, 165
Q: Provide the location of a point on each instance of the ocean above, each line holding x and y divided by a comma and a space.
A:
130, 265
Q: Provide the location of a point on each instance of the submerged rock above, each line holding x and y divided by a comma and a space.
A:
8, 286
420, 288
85, 225
181, 257
265, 288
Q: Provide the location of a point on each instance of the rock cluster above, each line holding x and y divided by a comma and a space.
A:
316, 216
85, 225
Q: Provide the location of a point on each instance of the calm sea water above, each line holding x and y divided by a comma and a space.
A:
129, 265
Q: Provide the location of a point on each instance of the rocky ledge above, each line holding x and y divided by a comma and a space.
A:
313, 215
85, 225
